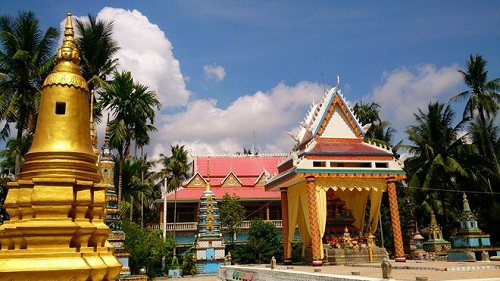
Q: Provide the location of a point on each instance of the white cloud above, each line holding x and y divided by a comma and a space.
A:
147, 53
404, 90
205, 128
215, 72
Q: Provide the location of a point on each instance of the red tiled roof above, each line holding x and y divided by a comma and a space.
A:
252, 193
241, 166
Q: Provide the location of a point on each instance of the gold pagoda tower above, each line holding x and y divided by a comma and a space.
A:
57, 207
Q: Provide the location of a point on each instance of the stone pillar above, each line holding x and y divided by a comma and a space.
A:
287, 248
313, 220
267, 212
395, 221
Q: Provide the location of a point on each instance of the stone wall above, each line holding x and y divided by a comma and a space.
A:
266, 274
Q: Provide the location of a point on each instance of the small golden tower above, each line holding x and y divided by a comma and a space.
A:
57, 208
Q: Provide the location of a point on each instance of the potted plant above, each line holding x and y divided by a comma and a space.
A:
175, 270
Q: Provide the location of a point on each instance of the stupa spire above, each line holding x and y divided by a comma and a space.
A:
57, 206
62, 146
208, 176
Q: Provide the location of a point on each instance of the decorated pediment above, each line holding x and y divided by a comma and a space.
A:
197, 181
231, 180
262, 179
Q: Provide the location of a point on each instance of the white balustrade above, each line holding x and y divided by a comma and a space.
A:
190, 226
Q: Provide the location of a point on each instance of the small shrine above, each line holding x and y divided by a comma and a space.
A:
209, 244
330, 180
470, 242
435, 243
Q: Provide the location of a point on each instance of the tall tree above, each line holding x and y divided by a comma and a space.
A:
133, 108
380, 131
178, 167
231, 214
26, 58
435, 144
482, 101
97, 49
136, 182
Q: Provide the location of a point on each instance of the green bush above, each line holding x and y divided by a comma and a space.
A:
147, 249
189, 265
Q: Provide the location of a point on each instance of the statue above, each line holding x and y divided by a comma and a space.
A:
386, 269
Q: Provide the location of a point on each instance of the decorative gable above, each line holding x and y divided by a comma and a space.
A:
331, 118
197, 181
231, 181
262, 179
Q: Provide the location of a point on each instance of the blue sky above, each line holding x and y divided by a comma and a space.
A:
231, 72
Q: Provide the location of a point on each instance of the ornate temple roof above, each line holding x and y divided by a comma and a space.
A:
241, 175
331, 143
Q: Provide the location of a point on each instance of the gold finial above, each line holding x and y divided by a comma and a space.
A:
465, 198
68, 59
208, 175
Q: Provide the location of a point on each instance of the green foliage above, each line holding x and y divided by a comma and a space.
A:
297, 250
263, 243
231, 214
147, 248
188, 265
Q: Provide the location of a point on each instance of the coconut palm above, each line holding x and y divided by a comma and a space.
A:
133, 107
26, 58
97, 49
482, 101
435, 148
380, 131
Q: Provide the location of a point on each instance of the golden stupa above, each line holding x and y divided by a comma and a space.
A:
57, 207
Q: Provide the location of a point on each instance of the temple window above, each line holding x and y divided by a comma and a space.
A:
381, 165
319, 164
60, 108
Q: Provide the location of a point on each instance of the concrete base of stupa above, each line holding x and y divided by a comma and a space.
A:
51, 264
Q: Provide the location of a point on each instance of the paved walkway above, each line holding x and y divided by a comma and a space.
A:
410, 270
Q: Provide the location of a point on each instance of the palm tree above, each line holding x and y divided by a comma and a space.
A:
9, 154
482, 101
26, 58
97, 49
380, 131
136, 182
178, 167
133, 108
435, 149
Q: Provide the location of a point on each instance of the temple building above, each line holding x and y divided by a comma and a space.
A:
57, 207
209, 245
331, 177
240, 175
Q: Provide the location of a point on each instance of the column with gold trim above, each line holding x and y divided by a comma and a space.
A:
313, 220
287, 249
395, 221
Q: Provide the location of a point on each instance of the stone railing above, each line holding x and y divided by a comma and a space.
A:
191, 226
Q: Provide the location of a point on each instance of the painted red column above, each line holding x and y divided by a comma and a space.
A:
395, 221
313, 220
287, 253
